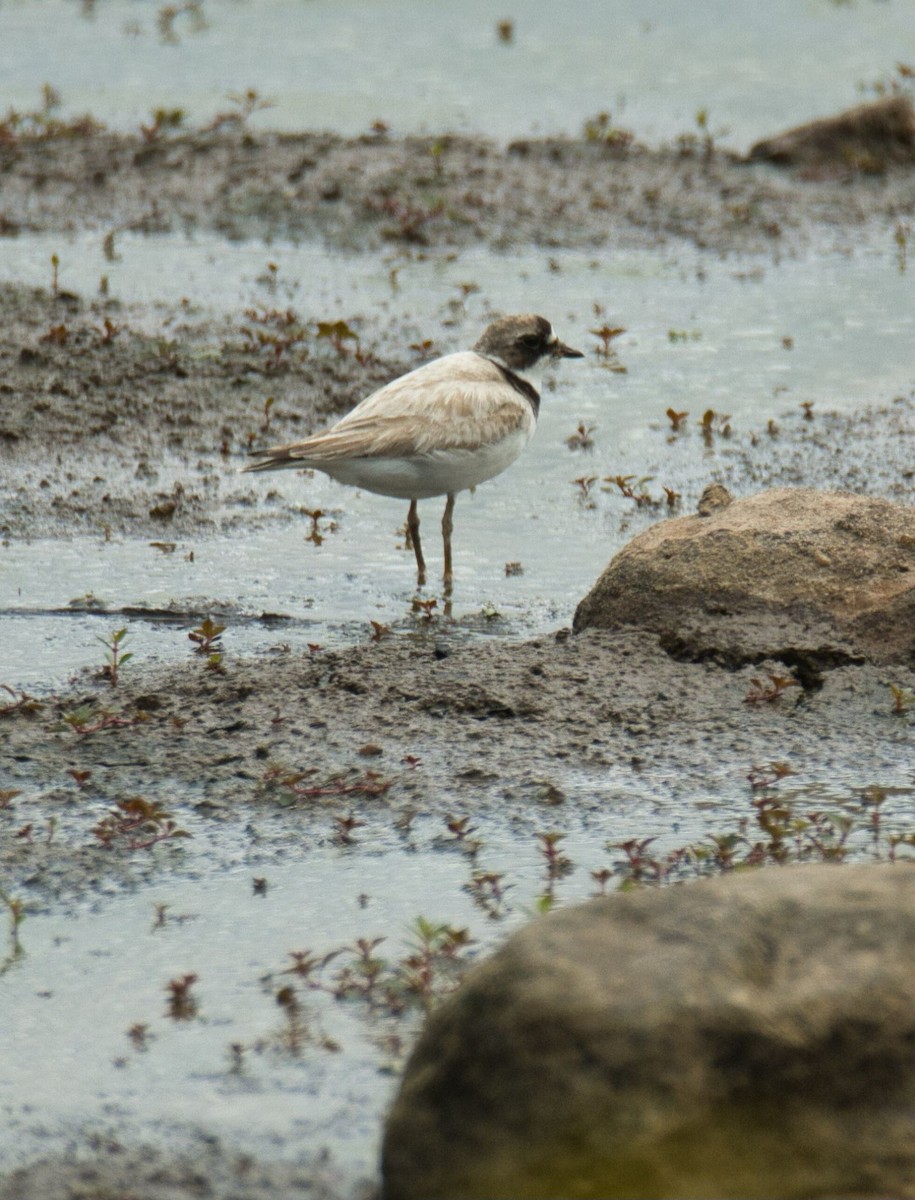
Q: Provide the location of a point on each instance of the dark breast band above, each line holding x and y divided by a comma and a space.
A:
527, 390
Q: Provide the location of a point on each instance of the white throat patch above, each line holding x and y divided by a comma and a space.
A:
534, 375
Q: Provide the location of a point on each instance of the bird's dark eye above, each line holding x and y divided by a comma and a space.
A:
531, 340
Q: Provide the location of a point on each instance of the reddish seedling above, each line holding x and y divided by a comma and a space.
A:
766, 691
344, 828
297, 785
764, 776
207, 637
557, 863
605, 351
338, 333
21, 702
581, 439
181, 1004
137, 824
487, 890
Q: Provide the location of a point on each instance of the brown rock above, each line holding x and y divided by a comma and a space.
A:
713, 498
869, 137
748, 1036
812, 578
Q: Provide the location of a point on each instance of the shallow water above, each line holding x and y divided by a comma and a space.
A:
93, 970
90, 975
87, 978
342, 64
701, 335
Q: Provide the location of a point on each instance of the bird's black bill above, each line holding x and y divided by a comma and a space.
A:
561, 350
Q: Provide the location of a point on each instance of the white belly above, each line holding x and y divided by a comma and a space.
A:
437, 474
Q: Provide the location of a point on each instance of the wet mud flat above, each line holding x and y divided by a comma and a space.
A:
378, 191
284, 754
104, 424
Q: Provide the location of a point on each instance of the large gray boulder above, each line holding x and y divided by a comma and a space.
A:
816, 579
748, 1036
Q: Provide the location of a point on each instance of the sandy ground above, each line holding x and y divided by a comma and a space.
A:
93, 415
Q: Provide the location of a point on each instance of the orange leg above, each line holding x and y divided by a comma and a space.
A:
447, 527
413, 531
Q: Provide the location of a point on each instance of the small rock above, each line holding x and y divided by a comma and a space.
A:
713, 498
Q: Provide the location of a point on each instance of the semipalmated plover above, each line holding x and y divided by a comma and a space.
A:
444, 427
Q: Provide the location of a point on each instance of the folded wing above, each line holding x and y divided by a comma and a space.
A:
457, 402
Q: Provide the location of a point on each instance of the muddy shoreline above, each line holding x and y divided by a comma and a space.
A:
106, 427
379, 192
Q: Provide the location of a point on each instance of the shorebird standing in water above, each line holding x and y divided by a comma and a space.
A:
444, 427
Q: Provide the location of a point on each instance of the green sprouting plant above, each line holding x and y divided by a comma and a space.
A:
162, 118
780, 830
338, 333
424, 610
207, 637
409, 218
600, 128
430, 969
86, 718
314, 535
360, 977
344, 827
703, 139
43, 124
432, 966
115, 656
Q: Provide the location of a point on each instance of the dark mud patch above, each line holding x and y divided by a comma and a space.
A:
107, 1170
423, 724
447, 191
106, 427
